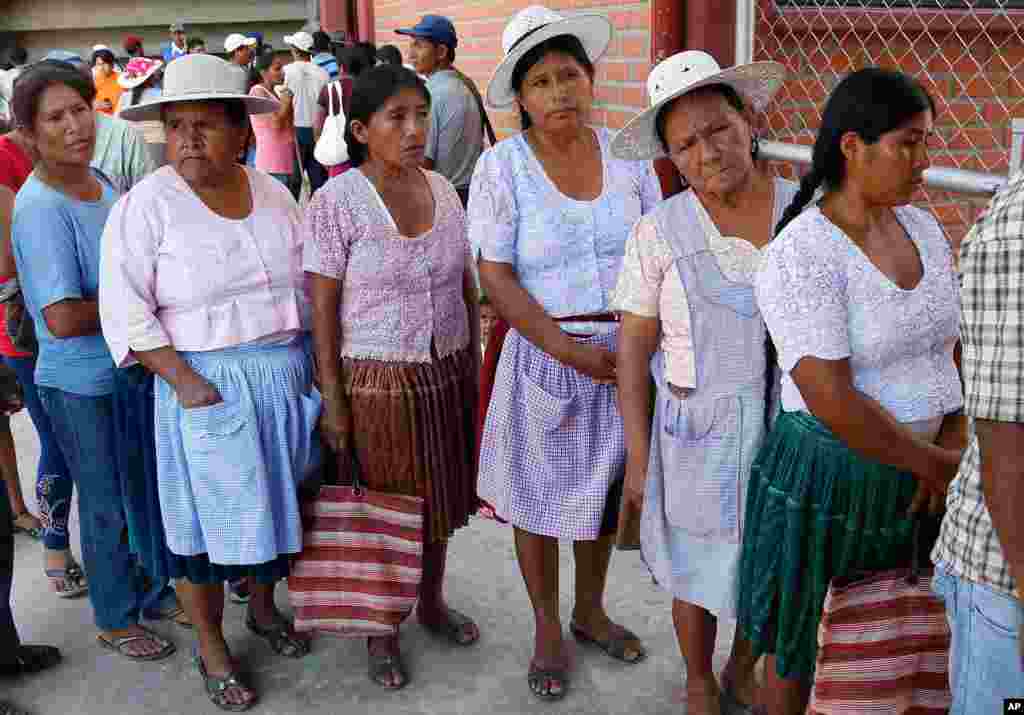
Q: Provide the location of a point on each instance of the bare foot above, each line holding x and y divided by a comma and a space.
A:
743, 690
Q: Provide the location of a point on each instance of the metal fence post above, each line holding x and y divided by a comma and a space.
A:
1017, 148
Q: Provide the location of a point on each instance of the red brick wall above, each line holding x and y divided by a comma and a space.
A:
967, 62
621, 74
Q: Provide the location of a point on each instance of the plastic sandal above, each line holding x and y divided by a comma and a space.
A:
217, 688
118, 646
454, 628
381, 665
616, 646
281, 637
68, 582
239, 591
536, 678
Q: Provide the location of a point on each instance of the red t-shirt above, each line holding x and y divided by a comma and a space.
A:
15, 166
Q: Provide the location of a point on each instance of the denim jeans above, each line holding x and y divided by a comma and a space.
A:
85, 431
8, 633
984, 654
304, 138
54, 486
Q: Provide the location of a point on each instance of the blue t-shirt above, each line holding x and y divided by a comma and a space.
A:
56, 242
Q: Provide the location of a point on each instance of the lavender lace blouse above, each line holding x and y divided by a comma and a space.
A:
399, 293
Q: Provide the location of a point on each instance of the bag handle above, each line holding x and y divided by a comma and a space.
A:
915, 559
335, 86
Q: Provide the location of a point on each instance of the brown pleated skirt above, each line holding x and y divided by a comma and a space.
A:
414, 434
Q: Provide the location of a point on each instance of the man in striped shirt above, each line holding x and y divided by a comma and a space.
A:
324, 57
979, 556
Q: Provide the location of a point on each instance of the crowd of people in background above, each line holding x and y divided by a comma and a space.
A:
785, 384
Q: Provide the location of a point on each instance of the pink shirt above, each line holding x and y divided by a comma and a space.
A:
275, 147
173, 273
399, 294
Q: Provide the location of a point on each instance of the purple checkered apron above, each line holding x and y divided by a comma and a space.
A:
553, 443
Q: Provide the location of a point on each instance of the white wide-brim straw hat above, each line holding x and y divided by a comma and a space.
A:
685, 72
534, 25
137, 71
198, 78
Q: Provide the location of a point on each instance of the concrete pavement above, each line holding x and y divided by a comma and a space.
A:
483, 581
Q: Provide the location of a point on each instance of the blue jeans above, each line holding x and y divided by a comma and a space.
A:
306, 143
85, 431
984, 654
54, 486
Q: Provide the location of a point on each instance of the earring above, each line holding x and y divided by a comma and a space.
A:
755, 145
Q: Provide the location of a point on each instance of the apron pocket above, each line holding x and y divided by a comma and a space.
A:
308, 453
701, 447
545, 412
223, 453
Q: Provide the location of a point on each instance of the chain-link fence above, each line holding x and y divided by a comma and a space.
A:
968, 53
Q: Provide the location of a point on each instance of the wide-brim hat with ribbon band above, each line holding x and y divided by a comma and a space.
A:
756, 83
197, 78
537, 24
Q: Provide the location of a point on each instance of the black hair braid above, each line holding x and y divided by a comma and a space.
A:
808, 185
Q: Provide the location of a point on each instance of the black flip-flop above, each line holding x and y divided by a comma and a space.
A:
615, 646
536, 677
216, 688
382, 664
453, 627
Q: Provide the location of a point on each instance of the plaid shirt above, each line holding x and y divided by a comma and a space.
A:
992, 284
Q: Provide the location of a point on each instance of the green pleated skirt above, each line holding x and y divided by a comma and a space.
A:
815, 511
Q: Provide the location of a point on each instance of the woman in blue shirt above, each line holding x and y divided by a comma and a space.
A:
58, 219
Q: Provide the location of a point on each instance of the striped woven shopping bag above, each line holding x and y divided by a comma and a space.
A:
362, 560
883, 646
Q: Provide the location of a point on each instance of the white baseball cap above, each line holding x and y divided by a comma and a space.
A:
302, 41
235, 40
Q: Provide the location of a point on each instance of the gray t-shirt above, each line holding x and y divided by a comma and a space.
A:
456, 136
121, 152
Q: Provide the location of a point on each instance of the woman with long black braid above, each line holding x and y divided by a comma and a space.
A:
860, 298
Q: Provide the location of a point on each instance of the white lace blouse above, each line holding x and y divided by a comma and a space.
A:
821, 296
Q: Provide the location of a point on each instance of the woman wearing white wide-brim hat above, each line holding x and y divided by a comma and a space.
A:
686, 296
549, 213
202, 283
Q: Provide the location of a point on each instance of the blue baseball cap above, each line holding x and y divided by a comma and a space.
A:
434, 28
